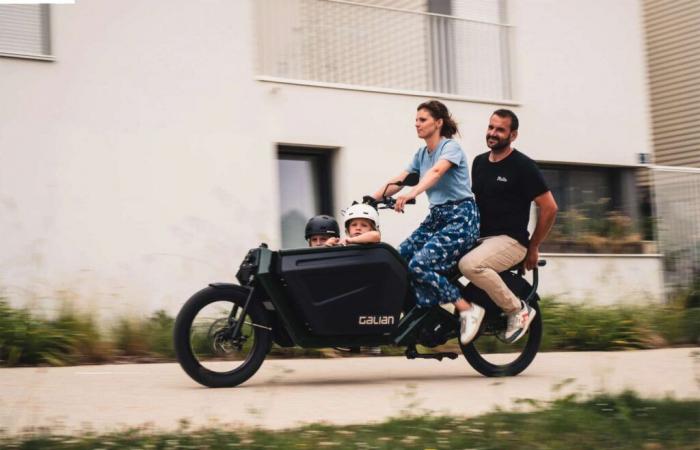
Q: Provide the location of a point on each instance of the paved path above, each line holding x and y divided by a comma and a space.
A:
285, 393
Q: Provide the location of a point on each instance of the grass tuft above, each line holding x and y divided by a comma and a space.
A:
606, 421
149, 337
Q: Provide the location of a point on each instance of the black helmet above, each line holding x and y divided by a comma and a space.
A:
322, 224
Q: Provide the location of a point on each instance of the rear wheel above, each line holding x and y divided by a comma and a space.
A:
493, 357
205, 344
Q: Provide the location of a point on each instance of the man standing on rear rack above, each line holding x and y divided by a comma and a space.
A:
505, 183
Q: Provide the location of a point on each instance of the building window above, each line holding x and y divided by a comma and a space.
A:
25, 31
442, 46
305, 189
598, 210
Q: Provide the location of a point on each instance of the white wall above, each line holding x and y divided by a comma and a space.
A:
581, 78
141, 164
130, 166
602, 279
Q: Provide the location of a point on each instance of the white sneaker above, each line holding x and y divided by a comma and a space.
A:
519, 322
469, 322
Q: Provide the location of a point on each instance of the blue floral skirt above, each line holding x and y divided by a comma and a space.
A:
447, 234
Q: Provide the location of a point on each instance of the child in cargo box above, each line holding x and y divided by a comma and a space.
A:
361, 226
319, 229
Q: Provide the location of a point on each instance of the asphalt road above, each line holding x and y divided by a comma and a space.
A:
286, 393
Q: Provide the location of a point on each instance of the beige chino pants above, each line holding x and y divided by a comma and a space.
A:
481, 266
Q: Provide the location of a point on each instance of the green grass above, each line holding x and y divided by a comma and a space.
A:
610, 422
143, 337
580, 327
28, 340
577, 327
574, 327
76, 338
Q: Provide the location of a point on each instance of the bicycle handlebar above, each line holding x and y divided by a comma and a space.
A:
535, 280
390, 203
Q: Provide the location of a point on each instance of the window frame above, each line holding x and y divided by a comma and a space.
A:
321, 159
622, 200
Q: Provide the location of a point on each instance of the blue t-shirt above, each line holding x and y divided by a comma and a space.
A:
455, 183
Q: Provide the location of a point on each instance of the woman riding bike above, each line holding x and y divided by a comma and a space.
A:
452, 226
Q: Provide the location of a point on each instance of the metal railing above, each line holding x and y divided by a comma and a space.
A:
677, 211
25, 31
352, 44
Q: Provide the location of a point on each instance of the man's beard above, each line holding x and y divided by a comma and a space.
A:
500, 144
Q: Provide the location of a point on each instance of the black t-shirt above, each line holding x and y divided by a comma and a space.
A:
504, 191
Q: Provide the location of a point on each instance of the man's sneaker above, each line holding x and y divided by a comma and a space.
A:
519, 322
469, 322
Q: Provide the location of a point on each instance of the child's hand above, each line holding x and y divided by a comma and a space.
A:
330, 242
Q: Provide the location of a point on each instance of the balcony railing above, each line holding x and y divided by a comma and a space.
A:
677, 202
351, 44
25, 32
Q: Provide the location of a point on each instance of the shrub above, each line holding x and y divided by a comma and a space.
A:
159, 334
87, 345
679, 321
578, 327
145, 337
28, 340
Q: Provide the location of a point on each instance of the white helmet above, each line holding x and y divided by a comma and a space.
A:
361, 211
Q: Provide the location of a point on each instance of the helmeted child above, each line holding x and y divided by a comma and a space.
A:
319, 229
361, 226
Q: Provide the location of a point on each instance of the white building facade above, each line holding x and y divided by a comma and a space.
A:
146, 146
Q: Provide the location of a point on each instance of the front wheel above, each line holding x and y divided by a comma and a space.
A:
205, 344
492, 357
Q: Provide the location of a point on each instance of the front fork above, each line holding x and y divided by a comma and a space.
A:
233, 334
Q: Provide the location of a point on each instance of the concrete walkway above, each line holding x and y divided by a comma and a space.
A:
286, 393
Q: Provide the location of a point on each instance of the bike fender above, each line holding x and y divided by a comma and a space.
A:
535, 298
229, 286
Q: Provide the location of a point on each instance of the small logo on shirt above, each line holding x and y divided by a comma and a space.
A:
502, 179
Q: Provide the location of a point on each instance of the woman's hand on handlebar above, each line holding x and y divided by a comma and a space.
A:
401, 201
